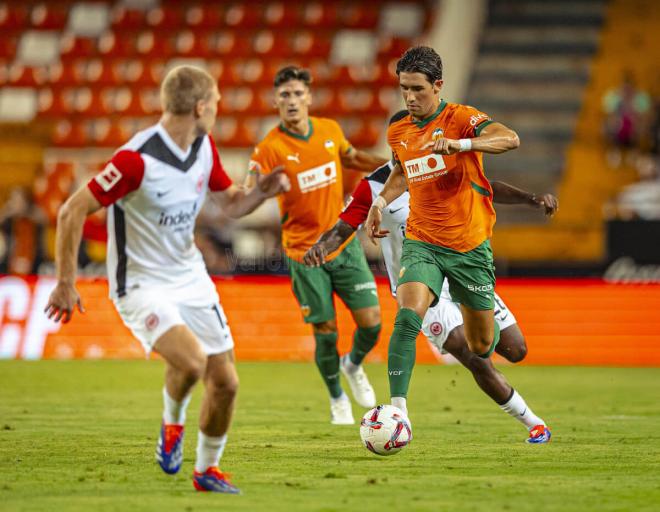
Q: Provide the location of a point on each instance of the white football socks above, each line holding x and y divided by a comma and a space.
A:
400, 402
174, 412
209, 451
517, 408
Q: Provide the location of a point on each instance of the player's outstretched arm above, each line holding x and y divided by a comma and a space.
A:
494, 138
241, 201
361, 160
394, 187
328, 243
349, 220
70, 219
504, 193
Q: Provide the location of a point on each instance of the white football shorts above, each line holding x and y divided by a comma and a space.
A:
440, 320
149, 314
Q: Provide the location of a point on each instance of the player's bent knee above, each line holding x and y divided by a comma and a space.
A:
329, 327
512, 345
226, 387
418, 307
368, 317
479, 346
193, 368
518, 354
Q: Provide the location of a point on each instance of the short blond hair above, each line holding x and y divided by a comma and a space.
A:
183, 87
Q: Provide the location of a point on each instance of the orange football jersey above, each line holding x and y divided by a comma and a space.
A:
313, 164
450, 197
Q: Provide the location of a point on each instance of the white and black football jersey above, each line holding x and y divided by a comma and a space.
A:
154, 191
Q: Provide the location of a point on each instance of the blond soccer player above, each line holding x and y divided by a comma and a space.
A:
154, 187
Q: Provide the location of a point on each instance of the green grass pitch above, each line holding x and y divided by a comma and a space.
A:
80, 435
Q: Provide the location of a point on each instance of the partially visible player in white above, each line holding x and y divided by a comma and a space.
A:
443, 323
154, 187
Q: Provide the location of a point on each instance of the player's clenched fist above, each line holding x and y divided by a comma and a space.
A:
274, 183
548, 202
443, 146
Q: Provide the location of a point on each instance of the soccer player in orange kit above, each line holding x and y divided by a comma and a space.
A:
313, 152
437, 150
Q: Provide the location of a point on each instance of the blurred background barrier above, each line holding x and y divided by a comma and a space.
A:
566, 322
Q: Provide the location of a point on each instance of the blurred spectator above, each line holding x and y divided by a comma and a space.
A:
21, 226
654, 132
641, 200
628, 111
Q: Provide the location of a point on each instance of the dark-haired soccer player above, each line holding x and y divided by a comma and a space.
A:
443, 324
313, 152
437, 148
154, 187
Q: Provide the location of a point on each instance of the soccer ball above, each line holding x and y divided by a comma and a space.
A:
385, 430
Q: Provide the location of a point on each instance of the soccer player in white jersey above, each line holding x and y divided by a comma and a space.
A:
154, 187
443, 323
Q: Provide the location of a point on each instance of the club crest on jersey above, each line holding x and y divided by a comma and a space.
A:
329, 145
317, 177
438, 133
254, 167
151, 322
436, 328
305, 310
425, 167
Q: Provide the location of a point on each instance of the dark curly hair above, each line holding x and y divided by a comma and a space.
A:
292, 73
421, 59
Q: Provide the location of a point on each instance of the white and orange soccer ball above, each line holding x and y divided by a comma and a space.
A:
385, 430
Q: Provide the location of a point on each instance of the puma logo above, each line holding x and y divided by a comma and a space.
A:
294, 158
404, 143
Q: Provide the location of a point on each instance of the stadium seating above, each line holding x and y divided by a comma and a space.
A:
89, 60
85, 74
546, 51
587, 181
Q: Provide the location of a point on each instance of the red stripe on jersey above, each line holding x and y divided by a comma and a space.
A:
358, 209
122, 175
218, 180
